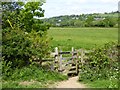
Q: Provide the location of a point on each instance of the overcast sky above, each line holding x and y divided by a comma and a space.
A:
77, 7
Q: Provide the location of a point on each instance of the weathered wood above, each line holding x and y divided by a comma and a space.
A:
45, 60
56, 50
56, 57
72, 50
60, 61
72, 67
66, 63
70, 64
82, 55
77, 63
74, 53
69, 58
68, 52
71, 72
52, 67
79, 70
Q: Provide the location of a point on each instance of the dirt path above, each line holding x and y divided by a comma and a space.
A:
70, 83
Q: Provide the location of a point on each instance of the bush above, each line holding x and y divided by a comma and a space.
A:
24, 37
19, 47
102, 64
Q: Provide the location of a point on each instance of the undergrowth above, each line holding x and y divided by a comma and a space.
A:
101, 67
31, 77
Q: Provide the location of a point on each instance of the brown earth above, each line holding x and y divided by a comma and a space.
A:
70, 83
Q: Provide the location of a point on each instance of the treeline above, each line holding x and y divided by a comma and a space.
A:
85, 20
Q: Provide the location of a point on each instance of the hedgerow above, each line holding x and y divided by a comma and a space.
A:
24, 37
102, 63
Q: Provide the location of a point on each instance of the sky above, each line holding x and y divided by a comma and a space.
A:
68, 7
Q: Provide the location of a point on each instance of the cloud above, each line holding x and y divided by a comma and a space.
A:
109, 1
68, 7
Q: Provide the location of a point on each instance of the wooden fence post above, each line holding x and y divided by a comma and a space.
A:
56, 50
60, 61
56, 55
82, 56
77, 61
73, 54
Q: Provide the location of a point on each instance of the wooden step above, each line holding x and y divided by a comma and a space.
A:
61, 70
72, 68
56, 61
70, 72
79, 70
55, 66
71, 62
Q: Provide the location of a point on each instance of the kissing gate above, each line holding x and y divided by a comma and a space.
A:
66, 62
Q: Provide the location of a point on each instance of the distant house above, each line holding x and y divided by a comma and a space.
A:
99, 18
59, 20
75, 18
57, 24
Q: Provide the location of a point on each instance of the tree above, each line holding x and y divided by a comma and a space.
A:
64, 23
109, 22
89, 21
10, 10
25, 35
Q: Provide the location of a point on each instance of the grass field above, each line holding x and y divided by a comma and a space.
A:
87, 38
102, 84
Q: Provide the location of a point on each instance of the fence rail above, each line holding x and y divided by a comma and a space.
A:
67, 60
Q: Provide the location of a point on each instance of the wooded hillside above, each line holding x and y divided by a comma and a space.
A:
85, 20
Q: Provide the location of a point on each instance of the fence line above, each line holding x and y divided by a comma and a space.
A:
60, 62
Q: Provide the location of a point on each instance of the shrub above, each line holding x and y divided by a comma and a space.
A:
102, 64
24, 37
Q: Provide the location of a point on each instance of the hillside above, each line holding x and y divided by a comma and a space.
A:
85, 20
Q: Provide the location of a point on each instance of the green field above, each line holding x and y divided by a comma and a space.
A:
87, 38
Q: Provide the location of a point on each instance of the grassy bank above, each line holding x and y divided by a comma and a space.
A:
82, 37
102, 84
31, 77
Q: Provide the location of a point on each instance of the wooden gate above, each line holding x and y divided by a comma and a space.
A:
66, 62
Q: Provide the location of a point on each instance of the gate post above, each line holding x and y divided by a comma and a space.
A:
82, 56
60, 61
73, 54
77, 60
56, 55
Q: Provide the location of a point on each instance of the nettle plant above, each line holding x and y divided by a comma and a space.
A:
102, 63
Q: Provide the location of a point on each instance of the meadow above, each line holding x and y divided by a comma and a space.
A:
65, 38
86, 38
